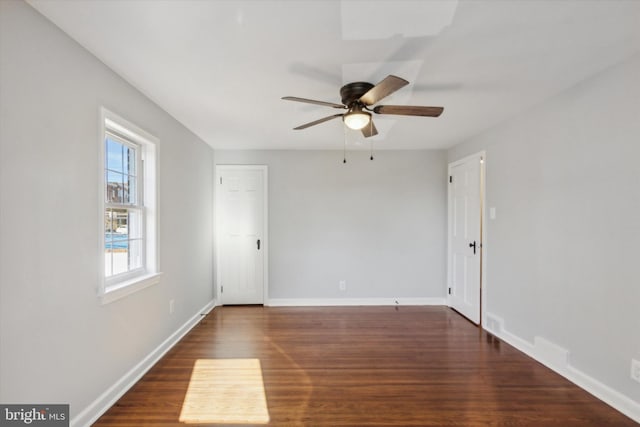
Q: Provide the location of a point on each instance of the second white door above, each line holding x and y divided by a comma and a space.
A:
241, 225
465, 236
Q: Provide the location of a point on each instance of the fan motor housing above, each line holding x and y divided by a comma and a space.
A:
353, 91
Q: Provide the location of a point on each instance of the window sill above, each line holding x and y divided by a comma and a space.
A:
122, 289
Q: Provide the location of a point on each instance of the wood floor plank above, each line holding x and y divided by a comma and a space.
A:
360, 366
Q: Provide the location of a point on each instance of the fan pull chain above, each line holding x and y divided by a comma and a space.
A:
344, 151
371, 132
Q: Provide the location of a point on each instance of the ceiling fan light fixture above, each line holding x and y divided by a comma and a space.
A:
356, 119
359, 99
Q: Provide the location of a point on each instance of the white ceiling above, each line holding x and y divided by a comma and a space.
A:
221, 67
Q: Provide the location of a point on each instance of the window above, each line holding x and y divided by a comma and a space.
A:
128, 214
124, 211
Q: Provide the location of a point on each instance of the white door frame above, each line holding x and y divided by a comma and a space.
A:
483, 232
265, 227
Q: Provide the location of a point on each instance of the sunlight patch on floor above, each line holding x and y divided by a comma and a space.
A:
226, 391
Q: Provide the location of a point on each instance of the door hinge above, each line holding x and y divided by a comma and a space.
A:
220, 180
449, 291
450, 178
222, 289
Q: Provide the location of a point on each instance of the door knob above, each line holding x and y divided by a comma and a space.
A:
473, 245
258, 242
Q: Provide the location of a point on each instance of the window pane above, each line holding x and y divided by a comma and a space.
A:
108, 240
108, 260
130, 170
122, 252
115, 152
130, 187
120, 224
124, 186
120, 244
115, 189
134, 228
121, 173
130, 156
108, 224
120, 260
135, 254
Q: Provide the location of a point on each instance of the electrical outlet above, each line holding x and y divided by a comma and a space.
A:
635, 370
343, 285
172, 306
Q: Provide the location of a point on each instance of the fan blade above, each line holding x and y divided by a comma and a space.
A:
313, 101
369, 130
317, 122
386, 87
409, 110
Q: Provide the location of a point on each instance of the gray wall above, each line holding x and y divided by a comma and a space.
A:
57, 342
380, 225
562, 251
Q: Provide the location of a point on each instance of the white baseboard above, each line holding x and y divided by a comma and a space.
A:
91, 413
325, 302
557, 359
614, 398
551, 354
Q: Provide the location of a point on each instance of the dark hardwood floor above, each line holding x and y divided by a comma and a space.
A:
352, 366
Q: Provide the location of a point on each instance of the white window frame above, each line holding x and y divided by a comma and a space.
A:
146, 145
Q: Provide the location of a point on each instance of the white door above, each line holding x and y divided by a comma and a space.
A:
241, 230
465, 236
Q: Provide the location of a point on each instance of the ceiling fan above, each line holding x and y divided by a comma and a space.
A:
358, 97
